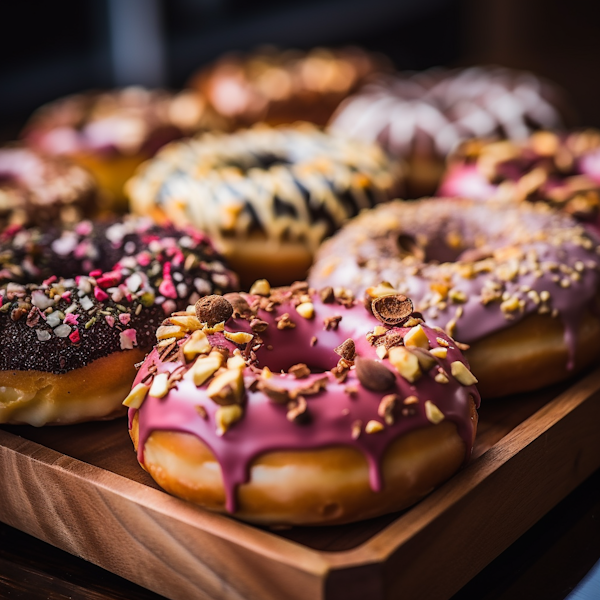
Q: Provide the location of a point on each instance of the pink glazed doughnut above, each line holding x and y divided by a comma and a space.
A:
560, 170
286, 406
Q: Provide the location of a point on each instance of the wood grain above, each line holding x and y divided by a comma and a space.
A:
80, 489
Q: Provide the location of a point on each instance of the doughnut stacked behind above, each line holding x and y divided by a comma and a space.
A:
111, 133
267, 196
518, 282
278, 87
36, 189
80, 306
291, 407
422, 117
562, 170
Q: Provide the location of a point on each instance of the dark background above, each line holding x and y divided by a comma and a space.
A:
49, 49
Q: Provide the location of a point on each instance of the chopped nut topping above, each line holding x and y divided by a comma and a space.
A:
260, 287
239, 337
284, 322
373, 427
213, 309
201, 411
462, 374
241, 308
276, 394
392, 310
299, 371
356, 429
331, 323
426, 360
165, 332
381, 351
306, 310
417, 337
312, 388
136, 396
433, 413
236, 362
406, 363
440, 352
196, 344
386, 408
374, 375
258, 326
187, 323
441, 377
160, 385
297, 411
226, 416
227, 388
327, 295
410, 400
347, 350
205, 367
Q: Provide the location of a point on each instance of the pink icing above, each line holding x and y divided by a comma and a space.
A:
264, 426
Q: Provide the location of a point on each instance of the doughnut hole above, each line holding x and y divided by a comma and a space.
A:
310, 487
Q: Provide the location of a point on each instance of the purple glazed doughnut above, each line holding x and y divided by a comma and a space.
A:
518, 282
286, 406
80, 306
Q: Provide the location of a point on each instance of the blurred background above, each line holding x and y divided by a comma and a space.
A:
49, 49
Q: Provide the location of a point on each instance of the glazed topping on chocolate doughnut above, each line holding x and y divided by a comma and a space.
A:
68, 297
472, 268
37, 189
313, 375
562, 170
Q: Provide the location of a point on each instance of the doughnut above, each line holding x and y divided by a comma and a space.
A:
517, 282
112, 132
290, 407
562, 170
421, 117
79, 307
277, 87
266, 196
37, 189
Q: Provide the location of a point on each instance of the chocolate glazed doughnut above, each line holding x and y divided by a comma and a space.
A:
286, 406
518, 282
80, 306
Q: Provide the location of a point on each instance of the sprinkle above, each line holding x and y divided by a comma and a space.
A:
124, 318
100, 294
86, 303
110, 320
71, 319
42, 336
74, 337
62, 331
96, 273
167, 289
128, 339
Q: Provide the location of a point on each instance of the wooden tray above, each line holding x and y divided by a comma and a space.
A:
81, 489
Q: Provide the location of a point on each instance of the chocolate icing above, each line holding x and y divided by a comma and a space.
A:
332, 411
54, 318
